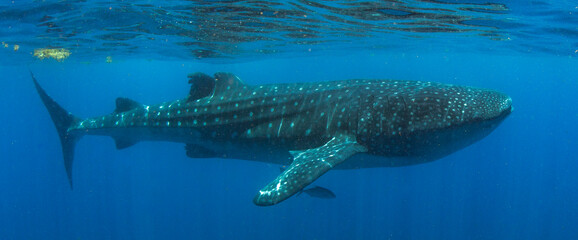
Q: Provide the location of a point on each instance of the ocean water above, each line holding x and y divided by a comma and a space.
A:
517, 183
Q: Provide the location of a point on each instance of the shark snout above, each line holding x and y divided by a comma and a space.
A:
504, 104
494, 105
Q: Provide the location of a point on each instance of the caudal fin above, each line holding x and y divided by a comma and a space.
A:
63, 120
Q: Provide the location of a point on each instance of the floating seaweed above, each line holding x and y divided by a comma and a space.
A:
57, 53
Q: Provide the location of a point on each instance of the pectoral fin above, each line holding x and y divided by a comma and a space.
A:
307, 166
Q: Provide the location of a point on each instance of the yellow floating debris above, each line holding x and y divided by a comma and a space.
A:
16, 47
108, 59
57, 53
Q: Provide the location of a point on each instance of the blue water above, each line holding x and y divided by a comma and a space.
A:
517, 183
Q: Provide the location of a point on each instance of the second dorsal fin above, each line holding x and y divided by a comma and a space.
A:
126, 104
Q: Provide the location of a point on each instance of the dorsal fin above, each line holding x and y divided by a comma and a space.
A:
126, 104
225, 81
203, 86
206, 86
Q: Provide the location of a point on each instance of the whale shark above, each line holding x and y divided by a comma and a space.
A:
310, 127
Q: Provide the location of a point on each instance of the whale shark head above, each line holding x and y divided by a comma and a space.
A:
428, 120
487, 106
449, 106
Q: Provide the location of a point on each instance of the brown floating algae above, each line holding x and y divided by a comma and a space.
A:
57, 53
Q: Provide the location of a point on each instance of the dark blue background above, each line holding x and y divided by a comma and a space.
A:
518, 183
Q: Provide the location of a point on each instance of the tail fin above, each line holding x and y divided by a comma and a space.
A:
63, 120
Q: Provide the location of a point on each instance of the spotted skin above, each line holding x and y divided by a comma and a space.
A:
312, 127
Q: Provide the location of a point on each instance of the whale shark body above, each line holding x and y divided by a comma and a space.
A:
311, 127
